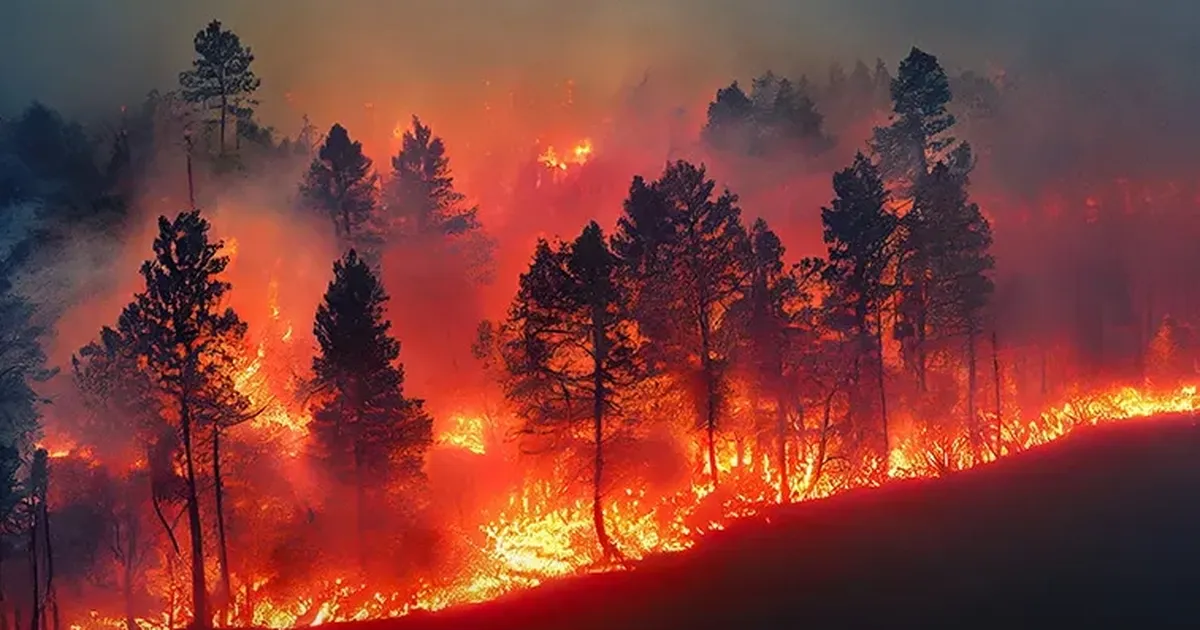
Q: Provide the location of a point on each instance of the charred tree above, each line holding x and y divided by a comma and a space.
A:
364, 429
684, 253
186, 347
569, 352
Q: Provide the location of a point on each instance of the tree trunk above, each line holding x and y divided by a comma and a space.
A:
996, 378
781, 435
128, 569
822, 444
33, 571
201, 617
224, 110
710, 408
883, 414
972, 419
51, 593
223, 590
599, 395
360, 503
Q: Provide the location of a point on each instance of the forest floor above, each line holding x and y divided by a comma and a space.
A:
1102, 528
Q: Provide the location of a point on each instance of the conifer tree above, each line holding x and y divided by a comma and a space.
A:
220, 79
917, 135
187, 346
364, 430
860, 235
766, 322
685, 252
340, 183
420, 196
569, 351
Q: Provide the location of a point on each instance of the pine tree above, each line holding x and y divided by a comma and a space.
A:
187, 345
860, 235
570, 352
340, 182
958, 266
364, 429
917, 136
220, 79
765, 321
420, 196
685, 253
728, 118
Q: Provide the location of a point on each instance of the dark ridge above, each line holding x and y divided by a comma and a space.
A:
1101, 528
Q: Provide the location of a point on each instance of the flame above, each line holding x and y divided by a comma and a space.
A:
536, 537
577, 156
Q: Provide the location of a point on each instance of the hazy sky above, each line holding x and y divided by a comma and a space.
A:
82, 53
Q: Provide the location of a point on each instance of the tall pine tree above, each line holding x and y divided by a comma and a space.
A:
220, 80
570, 351
860, 232
364, 430
766, 323
420, 196
685, 253
340, 183
187, 345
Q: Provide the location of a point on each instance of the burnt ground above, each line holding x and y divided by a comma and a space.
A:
1101, 528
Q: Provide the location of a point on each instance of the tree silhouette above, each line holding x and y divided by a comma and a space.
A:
420, 195
685, 253
569, 350
859, 233
777, 116
188, 346
364, 429
917, 135
220, 79
340, 182
766, 321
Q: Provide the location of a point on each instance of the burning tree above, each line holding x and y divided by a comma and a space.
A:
363, 428
220, 79
187, 347
340, 182
685, 253
570, 351
767, 323
859, 232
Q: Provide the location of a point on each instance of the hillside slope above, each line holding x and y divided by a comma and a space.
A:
1103, 527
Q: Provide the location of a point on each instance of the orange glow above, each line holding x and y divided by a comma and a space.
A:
577, 156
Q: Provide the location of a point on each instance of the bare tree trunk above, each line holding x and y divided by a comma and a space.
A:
224, 593
781, 436
822, 444
224, 111
33, 571
972, 419
191, 189
996, 378
51, 592
360, 506
710, 418
606, 544
202, 619
128, 569
883, 414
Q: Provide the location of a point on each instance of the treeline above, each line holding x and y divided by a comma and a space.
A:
685, 299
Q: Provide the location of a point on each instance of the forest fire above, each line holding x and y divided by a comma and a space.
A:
319, 385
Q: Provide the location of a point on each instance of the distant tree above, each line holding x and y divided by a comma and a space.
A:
420, 195
917, 136
221, 79
1169, 358
570, 351
685, 254
728, 117
882, 80
776, 116
186, 344
341, 183
767, 322
860, 233
364, 429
